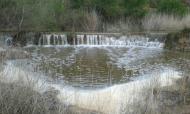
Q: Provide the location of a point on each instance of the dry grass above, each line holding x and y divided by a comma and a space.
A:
16, 98
163, 22
173, 99
123, 26
151, 22
82, 21
91, 21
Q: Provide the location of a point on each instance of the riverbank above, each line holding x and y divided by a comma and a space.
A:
178, 40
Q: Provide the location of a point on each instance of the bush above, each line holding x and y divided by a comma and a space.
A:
135, 8
154, 3
175, 7
80, 21
6, 3
108, 8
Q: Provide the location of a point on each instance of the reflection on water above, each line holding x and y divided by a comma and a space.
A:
95, 67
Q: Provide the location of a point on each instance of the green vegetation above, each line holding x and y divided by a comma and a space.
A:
137, 8
172, 6
80, 15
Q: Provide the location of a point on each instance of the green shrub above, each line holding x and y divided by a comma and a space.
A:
82, 4
6, 3
135, 8
153, 3
108, 8
175, 7
75, 4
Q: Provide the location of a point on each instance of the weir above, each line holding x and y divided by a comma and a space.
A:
53, 40
100, 40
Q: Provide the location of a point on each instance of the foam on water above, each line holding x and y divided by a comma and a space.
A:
111, 100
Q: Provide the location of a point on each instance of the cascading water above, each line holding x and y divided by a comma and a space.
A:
129, 41
53, 40
101, 40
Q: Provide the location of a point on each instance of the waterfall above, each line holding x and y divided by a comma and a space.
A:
53, 39
126, 41
101, 40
